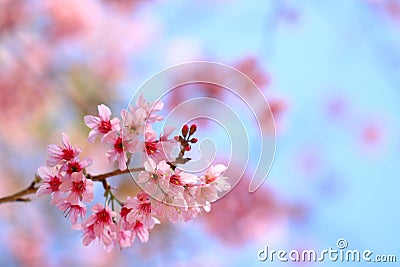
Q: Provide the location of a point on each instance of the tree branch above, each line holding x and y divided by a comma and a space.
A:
19, 196
104, 176
31, 189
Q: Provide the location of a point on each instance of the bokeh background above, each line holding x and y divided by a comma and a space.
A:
331, 73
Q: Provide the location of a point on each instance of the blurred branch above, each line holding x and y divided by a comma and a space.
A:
19, 196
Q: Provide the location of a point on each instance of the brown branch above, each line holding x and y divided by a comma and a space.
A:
104, 176
19, 196
31, 189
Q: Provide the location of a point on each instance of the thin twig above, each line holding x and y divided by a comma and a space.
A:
113, 173
19, 196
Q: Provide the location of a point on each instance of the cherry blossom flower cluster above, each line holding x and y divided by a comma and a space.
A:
168, 192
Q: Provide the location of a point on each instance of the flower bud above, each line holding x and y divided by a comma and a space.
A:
188, 148
193, 140
193, 129
185, 130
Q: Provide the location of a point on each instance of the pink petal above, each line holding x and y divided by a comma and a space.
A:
112, 155
173, 215
140, 115
217, 170
116, 124
152, 189
130, 146
92, 135
168, 131
149, 165
158, 105
143, 177
104, 112
77, 176
65, 140
164, 184
107, 243
163, 167
72, 198
57, 198
91, 121
44, 173
143, 234
88, 237
66, 185
43, 190
110, 137
141, 101
89, 196
86, 162
125, 239
122, 162
97, 208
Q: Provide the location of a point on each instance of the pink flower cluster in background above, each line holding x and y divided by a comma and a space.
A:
169, 192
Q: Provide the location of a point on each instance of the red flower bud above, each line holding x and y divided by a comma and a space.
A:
188, 147
185, 130
193, 129
193, 140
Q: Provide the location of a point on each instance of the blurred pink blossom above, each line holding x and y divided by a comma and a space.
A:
12, 13
69, 18
241, 217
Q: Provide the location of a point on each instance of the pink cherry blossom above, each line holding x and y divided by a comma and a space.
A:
214, 172
139, 209
88, 234
141, 231
124, 238
192, 188
150, 109
214, 177
133, 121
152, 176
99, 225
73, 211
214, 183
119, 147
79, 188
60, 154
102, 124
76, 165
160, 149
175, 182
167, 211
152, 147
181, 196
51, 184
191, 213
